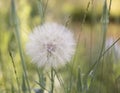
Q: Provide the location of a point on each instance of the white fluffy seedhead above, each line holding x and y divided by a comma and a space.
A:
50, 45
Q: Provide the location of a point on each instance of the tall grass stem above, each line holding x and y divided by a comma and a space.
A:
17, 34
15, 71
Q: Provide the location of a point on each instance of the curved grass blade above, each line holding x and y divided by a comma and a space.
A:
24, 87
15, 71
17, 34
79, 82
105, 20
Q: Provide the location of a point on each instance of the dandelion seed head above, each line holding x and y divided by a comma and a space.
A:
50, 45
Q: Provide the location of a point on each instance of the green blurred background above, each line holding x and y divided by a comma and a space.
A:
107, 78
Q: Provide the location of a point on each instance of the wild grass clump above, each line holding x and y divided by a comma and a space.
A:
55, 60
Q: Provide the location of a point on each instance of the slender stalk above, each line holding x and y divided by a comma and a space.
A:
79, 82
42, 10
104, 29
52, 80
77, 46
110, 47
110, 6
45, 7
42, 79
83, 21
15, 71
104, 54
105, 20
60, 80
17, 34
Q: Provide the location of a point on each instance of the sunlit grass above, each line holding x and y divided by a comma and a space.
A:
95, 68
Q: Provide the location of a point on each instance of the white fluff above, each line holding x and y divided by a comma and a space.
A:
50, 45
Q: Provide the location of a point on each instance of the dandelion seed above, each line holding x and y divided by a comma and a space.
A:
51, 45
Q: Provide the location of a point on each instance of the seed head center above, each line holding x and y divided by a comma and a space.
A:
51, 47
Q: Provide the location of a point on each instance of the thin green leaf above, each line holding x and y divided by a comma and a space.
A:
12, 88
42, 9
60, 80
17, 34
24, 87
15, 71
42, 79
79, 82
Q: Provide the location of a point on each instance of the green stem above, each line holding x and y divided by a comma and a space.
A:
60, 80
110, 6
15, 71
105, 20
52, 80
17, 34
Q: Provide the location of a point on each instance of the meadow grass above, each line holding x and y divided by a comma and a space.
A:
71, 78
17, 34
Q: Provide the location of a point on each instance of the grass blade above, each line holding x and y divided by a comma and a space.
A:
24, 87
79, 82
15, 71
12, 89
42, 9
105, 20
17, 34
42, 80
